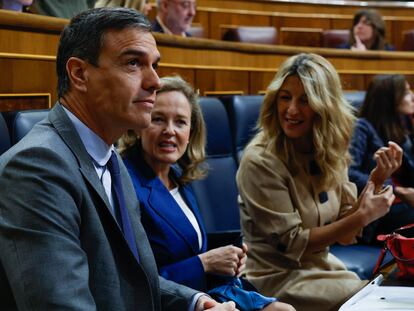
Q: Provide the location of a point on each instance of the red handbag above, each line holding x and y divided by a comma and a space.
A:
401, 245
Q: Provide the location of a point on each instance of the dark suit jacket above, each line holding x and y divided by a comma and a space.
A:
172, 237
60, 246
156, 27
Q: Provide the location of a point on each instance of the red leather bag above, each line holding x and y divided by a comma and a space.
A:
401, 245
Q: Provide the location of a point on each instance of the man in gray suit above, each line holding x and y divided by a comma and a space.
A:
62, 246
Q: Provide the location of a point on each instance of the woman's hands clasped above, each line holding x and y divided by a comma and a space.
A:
227, 260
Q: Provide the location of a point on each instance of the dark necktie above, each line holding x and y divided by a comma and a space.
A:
121, 212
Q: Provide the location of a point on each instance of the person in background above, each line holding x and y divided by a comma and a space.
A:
61, 8
174, 16
14, 5
162, 162
295, 196
71, 236
140, 5
367, 32
386, 115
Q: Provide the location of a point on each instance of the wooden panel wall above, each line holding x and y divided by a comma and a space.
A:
213, 19
212, 66
388, 8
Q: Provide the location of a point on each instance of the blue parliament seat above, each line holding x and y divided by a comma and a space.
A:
243, 112
217, 193
4, 135
355, 98
21, 122
358, 258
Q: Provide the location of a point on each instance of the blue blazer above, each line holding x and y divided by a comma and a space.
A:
364, 143
172, 237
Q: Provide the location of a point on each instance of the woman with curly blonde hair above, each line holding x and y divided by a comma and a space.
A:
300, 200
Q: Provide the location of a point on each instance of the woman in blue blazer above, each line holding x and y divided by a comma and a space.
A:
386, 115
162, 162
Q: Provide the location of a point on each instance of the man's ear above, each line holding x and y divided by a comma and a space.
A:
77, 72
164, 5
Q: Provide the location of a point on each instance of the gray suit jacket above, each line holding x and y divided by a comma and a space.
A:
60, 246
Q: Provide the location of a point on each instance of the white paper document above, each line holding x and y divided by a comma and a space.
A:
375, 297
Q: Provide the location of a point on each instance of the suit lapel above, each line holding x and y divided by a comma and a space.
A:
66, 130
162, 203
132, 203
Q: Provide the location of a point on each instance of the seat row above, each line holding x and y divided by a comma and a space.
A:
313, 37
231, 123
294, 36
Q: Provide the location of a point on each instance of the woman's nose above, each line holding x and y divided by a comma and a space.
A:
169, 129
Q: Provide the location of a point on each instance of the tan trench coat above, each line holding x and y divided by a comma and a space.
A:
277, 211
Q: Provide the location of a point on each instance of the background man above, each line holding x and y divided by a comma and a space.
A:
70, 231
174, 16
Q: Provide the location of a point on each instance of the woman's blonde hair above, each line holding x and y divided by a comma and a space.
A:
192, 161
333, 123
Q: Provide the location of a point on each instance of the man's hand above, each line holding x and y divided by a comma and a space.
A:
207, 303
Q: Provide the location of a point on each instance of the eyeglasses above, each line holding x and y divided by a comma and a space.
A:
185, 5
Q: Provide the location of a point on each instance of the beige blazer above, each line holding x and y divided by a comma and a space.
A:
277, 211
134, 4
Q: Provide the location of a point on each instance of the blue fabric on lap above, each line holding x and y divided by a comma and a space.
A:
245, 300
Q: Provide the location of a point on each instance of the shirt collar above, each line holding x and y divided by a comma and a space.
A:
165, 28
99, 150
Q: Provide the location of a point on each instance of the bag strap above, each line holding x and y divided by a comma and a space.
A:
403, 228
380, 260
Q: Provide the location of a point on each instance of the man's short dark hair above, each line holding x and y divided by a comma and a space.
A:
83, 36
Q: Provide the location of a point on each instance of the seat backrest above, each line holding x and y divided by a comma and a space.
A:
196, 32
243, 112
252, 34
356, 98
4, 135
217, 193
333, 38
408, 40
24, 121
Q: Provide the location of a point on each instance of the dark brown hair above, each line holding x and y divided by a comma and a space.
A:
384, 94
375, 19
